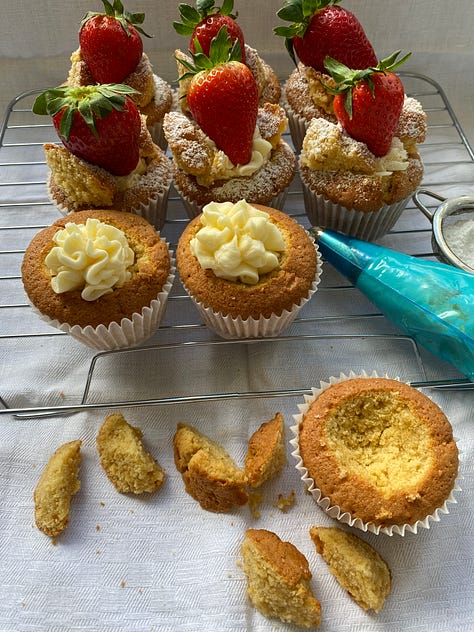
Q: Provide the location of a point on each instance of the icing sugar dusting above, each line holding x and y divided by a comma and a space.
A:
460, 238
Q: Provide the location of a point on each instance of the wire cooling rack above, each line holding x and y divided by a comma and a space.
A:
338, 323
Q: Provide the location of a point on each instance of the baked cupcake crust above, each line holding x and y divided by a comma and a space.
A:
149, 273
260, 188
279, 290
194, 155
75, 184
343, 170
363, 192
389, 468
306, 95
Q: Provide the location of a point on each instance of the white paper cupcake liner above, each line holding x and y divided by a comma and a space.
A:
193, 209
364, 225
298, 126
154, 211
334, 511
130, 332
238, 328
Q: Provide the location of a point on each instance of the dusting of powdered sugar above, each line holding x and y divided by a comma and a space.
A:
460, 238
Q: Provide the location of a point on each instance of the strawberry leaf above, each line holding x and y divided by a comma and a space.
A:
221, 50
90, 101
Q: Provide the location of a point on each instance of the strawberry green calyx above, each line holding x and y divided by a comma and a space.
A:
117, 11
346, 78
191, 17
94, 101
299, 13
221, 51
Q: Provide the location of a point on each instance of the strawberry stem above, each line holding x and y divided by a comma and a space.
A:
221, 51
191, 17
299, 13
94, 101
117, 11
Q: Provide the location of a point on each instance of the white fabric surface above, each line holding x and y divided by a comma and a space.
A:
160, 562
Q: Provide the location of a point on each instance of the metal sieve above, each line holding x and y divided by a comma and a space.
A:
450, 211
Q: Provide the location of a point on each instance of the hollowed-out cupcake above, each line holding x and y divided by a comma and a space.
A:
102, 276
248, 268
376, 454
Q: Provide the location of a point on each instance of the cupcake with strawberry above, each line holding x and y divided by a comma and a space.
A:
107, 158
318, 29
201, 24
359, 173
111, 51
229, 148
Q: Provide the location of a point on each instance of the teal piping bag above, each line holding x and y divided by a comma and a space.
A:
430, 301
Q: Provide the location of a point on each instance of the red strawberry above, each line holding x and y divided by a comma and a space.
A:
368, 102
205, 22
100, 124
110, 42
320, 28
223, 98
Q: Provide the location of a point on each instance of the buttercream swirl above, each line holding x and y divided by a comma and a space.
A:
237, 242
93, 257
223, 169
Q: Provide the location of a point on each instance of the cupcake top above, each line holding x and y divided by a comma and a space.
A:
379, 450
95, 267
307, 95
246, 260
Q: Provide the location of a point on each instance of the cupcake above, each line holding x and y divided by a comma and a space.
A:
107, 161
111, 51
312, 35
359, 173
102, 276
226, 147
248, 268
202, 173
202, 24
376, 454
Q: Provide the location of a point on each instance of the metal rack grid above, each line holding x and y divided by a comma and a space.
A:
339, 312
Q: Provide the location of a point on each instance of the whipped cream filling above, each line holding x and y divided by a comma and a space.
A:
237, 242
223, 169
127, 182
93, 257
396, 159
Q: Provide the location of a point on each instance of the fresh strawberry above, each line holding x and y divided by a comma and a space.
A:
205, 22
99, 124
319, 28
223, 97
110, 42
368, 102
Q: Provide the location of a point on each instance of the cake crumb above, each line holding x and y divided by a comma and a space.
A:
285, 503
255, 499
122, 584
